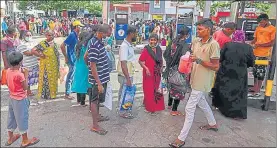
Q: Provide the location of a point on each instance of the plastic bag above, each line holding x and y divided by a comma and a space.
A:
109, 97
4, 77
63, 73
127, 97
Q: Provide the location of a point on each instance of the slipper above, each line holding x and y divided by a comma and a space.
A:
16, 137
99, 132
176, 145
176, 113
103, 118
127, 116
32, 142
208, 127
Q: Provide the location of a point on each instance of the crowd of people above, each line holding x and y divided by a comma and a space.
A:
219, 64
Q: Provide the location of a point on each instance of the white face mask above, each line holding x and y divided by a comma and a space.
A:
28, 39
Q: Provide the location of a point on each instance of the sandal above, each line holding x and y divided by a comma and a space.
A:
176, 113
127, 116
208, 127
99, 132
176, 145
69, 98
103, 118
14, 138
32, 142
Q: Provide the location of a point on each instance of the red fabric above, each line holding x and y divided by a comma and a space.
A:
149, 84
221, 38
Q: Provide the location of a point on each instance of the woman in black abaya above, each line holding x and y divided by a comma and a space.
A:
231, 86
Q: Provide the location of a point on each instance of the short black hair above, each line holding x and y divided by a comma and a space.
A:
230, 25
184, 31
11, 29
131, 29
14, 58
262, 17
205, 22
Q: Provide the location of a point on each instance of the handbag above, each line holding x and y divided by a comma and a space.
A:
109, 97
4, 77
176, 78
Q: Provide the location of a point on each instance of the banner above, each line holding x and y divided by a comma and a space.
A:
157, 4
157, 17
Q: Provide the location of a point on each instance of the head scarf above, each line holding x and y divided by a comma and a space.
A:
238, 36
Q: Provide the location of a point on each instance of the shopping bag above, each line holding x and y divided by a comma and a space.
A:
127, 97
109, 97
4, 77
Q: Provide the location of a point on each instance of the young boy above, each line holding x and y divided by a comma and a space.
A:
18, 114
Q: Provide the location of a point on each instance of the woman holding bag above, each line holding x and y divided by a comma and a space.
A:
172, 55
151, 61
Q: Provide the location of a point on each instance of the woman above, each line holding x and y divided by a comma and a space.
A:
80, 83
230, 93
49, 63
172, 57
151, 61
30, 62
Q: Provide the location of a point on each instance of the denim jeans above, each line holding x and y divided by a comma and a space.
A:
18, 115
69, 79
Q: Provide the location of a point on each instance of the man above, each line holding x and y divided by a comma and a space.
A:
70, 57
99, 76
263, 42
224, 36
8, 45
205, 54
126, 65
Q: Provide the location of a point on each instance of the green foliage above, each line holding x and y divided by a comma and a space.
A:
263, 7
94, 7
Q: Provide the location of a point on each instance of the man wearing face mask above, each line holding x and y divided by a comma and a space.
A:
30, 62
125, 65
69, 55
8, 45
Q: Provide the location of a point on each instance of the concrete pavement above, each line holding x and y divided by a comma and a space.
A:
58, 123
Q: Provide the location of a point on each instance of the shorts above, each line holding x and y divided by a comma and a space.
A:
18, 115
259, 71
94, 94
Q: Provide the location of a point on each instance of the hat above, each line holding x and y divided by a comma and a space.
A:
77, 23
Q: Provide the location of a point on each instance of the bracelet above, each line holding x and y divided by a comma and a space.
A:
198, 61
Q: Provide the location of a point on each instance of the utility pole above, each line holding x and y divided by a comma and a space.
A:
207, 9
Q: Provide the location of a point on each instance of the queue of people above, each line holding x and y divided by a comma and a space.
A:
219, 64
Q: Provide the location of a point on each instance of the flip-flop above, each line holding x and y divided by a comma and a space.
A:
176, 145
127, 116
32, 142
208, 127
103, 118
176, 113
16, 137
99, 132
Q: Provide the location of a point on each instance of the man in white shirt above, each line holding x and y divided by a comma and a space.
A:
125, 65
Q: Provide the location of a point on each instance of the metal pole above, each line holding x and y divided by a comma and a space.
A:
242, 6
270, 78
207, 9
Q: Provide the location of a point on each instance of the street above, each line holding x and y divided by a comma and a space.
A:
58, 123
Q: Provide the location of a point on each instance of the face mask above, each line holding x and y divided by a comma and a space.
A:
28, 39
134, 39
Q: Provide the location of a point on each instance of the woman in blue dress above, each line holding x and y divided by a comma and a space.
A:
80, 83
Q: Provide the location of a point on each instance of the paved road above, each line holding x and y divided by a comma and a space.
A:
58, 123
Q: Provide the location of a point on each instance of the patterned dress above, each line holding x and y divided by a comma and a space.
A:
48, 70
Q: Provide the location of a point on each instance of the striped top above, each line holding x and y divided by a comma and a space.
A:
97, 54
28, 61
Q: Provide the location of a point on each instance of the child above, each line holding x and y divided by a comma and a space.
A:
18, 114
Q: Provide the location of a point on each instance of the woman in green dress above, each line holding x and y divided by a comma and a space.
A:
80, 83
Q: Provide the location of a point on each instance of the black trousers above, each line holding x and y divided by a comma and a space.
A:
175, 103
81, 98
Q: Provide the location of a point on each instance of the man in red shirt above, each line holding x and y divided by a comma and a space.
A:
224, 36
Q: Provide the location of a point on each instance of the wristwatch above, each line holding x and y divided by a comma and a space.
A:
198, 61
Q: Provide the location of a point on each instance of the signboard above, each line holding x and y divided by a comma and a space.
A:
157, 17
157, 4
121, 31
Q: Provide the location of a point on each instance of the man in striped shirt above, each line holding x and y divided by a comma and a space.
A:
99, 76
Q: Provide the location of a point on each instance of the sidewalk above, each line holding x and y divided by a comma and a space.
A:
58, 124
